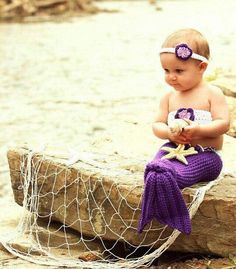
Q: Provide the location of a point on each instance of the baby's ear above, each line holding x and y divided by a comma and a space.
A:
203, 66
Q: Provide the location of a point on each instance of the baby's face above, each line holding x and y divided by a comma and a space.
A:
181, 75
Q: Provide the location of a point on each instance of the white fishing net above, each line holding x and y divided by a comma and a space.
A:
84, 211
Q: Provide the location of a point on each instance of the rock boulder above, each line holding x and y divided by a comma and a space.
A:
100, 196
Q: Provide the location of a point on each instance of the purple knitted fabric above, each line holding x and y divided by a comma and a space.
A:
164, 179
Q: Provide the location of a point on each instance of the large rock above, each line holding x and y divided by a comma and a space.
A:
232, 107
227, 83
100, 196
43, 10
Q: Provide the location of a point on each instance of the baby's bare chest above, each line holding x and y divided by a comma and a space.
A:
195, 101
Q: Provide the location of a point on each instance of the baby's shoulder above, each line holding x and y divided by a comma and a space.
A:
166, 96
169, 94
214, 90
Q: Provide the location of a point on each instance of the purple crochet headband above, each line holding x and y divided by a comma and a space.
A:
184, 52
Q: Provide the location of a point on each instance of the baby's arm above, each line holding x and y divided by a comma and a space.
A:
220, 115
160, 127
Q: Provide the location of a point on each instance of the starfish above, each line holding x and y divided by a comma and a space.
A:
179, 153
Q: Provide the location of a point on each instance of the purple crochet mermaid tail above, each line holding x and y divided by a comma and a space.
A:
164, 179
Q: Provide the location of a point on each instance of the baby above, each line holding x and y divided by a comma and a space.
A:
184, 58
193, 116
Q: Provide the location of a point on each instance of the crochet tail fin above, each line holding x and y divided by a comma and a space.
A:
162, 198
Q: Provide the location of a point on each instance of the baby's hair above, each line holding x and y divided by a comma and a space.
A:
193, 38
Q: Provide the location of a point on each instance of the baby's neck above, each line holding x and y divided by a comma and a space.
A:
196, 97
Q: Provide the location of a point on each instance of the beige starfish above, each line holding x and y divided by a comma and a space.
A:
179, 153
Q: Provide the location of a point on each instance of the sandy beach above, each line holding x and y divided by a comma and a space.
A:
92, 83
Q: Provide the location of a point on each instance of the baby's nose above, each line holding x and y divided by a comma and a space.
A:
172, 77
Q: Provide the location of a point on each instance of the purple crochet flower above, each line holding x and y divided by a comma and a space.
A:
183, 52
185, 113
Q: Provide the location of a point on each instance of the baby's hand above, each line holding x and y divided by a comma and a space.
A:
177, 126
179, 138
175, 132
191, 130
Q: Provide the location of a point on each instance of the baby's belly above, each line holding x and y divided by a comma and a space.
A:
216, 142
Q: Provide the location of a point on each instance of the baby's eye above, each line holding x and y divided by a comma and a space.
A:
179, 71
166, 71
